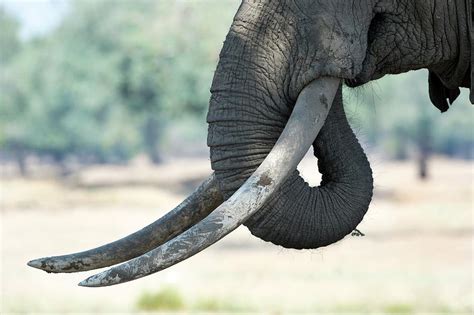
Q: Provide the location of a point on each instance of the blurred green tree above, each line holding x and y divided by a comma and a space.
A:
105, 84
10, 46
9, 36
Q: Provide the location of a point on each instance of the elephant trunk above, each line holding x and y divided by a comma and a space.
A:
301, 216
251, 99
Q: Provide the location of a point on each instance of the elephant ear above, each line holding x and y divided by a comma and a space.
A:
445, 79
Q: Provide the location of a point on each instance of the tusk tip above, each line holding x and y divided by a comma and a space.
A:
60, 264
89, 282
102, 279
35, 263
85, 283
40, 264
45, 264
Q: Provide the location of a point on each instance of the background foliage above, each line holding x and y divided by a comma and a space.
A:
119, 78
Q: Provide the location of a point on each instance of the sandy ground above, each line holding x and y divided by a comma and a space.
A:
416, 256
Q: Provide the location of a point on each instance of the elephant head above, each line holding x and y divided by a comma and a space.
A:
277, 91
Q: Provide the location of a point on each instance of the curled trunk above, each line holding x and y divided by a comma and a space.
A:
300, 216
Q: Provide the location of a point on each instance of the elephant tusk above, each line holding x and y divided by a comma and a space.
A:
306, 120
197, 206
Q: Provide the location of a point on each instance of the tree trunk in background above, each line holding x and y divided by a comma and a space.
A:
59, 159
423, 165
21, 163
424, 145
151, 138
19, 156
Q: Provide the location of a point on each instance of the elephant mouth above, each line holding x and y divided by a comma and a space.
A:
204, 218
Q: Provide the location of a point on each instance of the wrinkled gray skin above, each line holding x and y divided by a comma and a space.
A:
274, 49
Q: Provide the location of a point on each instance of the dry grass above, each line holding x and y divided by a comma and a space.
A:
416, 255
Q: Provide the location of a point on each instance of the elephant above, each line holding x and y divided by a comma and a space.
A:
275, 93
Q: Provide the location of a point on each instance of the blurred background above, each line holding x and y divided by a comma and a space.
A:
103, 129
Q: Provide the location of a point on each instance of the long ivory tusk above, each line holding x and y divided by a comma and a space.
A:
196, 207
307, 118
